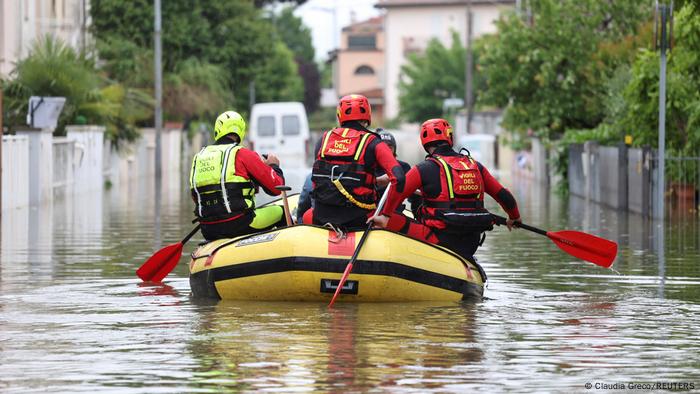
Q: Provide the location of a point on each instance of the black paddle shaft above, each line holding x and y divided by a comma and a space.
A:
190, 235
359, 245
500, 220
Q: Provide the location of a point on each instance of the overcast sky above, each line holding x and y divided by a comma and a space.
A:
318, 15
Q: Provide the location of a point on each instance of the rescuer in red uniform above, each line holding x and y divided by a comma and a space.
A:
343, 174
453, 187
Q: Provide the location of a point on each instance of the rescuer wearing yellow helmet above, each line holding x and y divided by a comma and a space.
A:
223, 181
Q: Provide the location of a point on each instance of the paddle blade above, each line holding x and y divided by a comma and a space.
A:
599, 251
161, 263
348, 269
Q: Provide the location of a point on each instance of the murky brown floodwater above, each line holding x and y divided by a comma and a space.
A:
74, 318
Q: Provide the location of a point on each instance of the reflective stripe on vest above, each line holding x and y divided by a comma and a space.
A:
339, 173
344, 133
361, 146
213, 168
448, 173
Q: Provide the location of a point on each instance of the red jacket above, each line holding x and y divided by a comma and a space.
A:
426, 177
250, 165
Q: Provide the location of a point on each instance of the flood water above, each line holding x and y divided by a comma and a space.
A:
74, 317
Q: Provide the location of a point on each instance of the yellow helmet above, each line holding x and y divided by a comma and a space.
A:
227, 123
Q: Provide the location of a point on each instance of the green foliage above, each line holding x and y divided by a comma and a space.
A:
55, 69
196, 88
185, 29
297, 37
232, 36
278, 79
327, 75
547, 75
682, 93
292, 31
124, 61
430, 77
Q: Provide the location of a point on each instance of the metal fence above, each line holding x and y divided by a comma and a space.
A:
625, 179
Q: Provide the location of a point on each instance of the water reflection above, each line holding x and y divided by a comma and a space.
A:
302, 346
73, 317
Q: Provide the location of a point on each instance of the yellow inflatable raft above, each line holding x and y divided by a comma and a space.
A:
305, 263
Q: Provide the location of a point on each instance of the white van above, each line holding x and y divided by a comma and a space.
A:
280, 128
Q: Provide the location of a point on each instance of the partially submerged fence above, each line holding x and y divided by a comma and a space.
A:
38, 167
624, 178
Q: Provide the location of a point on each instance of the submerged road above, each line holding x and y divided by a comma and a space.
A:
74, 317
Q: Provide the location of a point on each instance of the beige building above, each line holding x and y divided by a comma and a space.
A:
358, 66
410, 24
23, 21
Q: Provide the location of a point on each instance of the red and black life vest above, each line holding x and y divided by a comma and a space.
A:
340, 175
460, 205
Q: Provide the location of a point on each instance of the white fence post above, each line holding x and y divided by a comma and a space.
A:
90, 139
40, 164
15, 172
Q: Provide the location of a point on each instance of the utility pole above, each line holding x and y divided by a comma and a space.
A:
468, 94
251, 94
158, 69
159, 93
665, 13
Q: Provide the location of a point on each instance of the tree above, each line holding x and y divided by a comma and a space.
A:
308, 71
297, 36
431, 77
683, 98
55, 69
185, 29
546, 75
196, 88
279, 80
231, 35
292, 31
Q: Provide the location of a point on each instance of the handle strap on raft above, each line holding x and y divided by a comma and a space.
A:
350, 198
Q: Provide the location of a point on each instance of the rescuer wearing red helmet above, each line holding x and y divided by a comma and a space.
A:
453, 187
343, 174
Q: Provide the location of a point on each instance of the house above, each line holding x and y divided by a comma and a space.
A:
23, 21
358, 65
410, 24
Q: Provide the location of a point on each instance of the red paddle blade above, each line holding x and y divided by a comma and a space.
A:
599, 251
161, 263
348, 268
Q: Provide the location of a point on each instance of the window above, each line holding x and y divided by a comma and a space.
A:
364, 70
362, 42
290, 125
266, 126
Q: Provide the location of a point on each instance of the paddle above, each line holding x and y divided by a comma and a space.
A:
348, 268
284, 189
596, 250
163, 261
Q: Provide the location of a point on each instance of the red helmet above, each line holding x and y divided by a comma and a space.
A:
435, 130
354, 107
